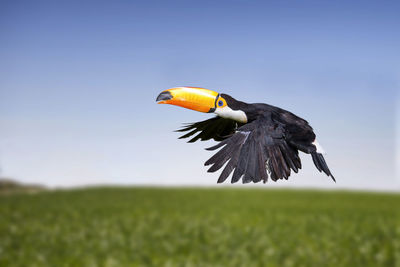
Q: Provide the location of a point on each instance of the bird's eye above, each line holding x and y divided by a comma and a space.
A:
220, 103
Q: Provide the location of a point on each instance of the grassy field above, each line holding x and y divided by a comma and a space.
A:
199, 227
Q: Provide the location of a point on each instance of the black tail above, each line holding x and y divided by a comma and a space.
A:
321, 165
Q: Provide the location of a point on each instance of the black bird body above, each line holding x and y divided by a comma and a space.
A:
256, 141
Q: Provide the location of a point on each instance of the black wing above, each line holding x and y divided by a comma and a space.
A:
216, 128
254, 151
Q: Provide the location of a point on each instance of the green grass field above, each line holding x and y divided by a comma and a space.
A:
199, 227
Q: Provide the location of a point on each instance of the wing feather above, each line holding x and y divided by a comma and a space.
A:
289, 156
216, 128
250, 172
252, 150
242, 161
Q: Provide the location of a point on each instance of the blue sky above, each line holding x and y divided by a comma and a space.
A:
78, 83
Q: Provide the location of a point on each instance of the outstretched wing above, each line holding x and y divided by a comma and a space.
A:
216, 128
256, 150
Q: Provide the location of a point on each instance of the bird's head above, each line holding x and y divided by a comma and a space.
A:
204, 100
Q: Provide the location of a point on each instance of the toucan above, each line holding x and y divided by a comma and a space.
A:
256, 141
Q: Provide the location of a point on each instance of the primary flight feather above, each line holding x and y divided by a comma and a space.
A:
256, 141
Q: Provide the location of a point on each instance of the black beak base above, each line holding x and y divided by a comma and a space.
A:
164, 96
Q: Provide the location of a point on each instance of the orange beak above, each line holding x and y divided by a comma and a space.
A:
194, 98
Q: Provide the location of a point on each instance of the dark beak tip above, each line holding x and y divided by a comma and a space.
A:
164, 96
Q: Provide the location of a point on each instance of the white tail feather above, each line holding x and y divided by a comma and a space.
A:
319, 147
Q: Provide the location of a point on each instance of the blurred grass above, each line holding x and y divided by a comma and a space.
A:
199, 227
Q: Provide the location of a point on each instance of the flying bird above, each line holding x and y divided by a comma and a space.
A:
256, 141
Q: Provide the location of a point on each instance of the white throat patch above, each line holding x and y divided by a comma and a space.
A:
228, 113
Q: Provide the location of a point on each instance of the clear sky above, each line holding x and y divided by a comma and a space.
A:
78, 83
